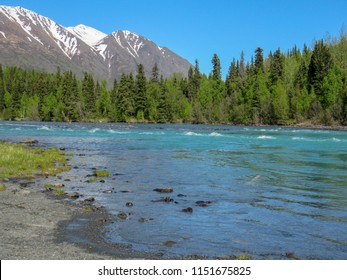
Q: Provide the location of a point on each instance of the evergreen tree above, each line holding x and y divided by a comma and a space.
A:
321, 63
2, 90
88, 92
276, 67
141, 89
259, 60
216, 71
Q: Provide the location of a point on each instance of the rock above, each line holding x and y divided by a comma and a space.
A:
89, 199
164, 199
188, 210
164, 190
122, 215
62, 148
29, 141
107, 191
144, 220
73, 195
202, 203
169, 243
102, 181
58, 185
67, 180
181, 195
129, 204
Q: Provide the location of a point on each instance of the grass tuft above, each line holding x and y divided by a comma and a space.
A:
21, 161
2, 188
102, 173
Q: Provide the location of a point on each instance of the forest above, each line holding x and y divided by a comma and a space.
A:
283, 88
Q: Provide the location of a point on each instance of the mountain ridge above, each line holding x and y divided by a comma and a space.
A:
30, 40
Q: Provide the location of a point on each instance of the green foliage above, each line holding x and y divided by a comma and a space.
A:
291, 87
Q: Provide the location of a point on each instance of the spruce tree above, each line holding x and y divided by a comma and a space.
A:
321, 63
216, 72
141, 88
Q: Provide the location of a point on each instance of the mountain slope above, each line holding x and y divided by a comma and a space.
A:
30, 40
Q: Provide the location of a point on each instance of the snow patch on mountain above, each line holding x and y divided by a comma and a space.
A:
89, 35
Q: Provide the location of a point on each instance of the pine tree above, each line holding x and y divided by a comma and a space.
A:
321, 63
2, 90
141, 88
216, 72
259, 60
88, 92
276, 67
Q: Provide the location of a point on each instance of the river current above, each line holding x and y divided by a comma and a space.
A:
261, 191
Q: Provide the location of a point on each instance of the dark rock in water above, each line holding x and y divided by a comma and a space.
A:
122, 215
67, 180
181, 195
75, 167
29, 141
164, 190
169, 243
291, 255
188, 210
129, 204
124, 191
102, 181
202, 203
144, 220
73, 195
62, 148
89, 199
164, 199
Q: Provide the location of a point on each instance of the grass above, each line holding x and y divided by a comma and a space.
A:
59, 191
2, 188
21, 161
102, 173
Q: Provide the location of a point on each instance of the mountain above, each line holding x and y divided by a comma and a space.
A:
33, 41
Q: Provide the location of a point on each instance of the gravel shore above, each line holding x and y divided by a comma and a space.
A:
30, 225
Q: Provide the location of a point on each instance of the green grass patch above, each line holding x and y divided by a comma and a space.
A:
102, 173
2, 188
21, 161
243, 257
59, 191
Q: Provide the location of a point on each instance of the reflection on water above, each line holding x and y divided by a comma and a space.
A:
260, 191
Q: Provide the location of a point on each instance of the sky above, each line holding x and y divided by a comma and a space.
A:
199, 29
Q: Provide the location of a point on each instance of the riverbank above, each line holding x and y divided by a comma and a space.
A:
31, 227
38, 226
43, 223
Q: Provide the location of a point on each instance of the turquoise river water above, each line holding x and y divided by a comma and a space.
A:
267, 190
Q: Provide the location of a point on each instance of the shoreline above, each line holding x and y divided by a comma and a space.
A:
36, 225
303, 125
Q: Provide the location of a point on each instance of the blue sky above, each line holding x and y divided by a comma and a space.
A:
198, 29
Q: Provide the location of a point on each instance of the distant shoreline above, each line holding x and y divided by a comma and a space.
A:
305, 125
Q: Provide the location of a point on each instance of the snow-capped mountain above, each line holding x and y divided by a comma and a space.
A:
89, 35
30, 40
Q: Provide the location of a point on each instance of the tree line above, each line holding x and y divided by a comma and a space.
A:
283, 88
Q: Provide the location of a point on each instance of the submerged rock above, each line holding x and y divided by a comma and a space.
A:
202, 203
122, 215
144, 220
188, 210
164, 199
169, 243
129, 204
164, 190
